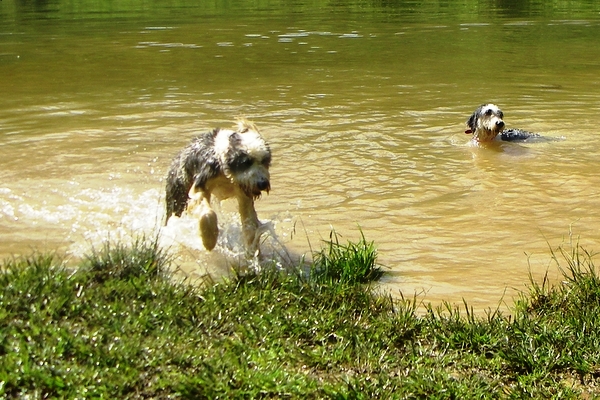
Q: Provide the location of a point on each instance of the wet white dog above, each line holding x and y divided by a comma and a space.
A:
223, 163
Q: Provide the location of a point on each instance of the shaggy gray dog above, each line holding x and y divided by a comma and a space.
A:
486, 123
222, 163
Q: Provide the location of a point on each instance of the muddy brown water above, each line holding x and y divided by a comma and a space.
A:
363, 105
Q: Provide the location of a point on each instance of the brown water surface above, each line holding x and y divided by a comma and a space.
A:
363, 104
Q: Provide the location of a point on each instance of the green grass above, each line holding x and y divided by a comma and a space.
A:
346, 264
120, 327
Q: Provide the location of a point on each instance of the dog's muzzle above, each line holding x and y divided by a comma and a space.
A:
263, 185
499, 125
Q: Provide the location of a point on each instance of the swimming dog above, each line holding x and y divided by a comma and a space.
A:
487, 123
223, 163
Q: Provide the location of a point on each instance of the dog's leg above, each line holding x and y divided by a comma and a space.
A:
250, 222
208, 223
209, 228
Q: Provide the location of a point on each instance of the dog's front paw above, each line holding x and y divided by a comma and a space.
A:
209, 229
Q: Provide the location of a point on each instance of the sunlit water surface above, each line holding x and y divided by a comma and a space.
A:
364, 110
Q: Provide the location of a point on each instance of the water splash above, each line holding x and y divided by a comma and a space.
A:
182, 237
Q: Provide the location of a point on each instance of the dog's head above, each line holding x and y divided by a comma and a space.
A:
485, 123
245, 158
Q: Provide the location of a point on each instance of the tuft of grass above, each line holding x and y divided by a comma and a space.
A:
143, 258
553, 325
349, 263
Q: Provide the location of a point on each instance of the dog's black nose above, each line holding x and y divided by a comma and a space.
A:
500, 124
263, 184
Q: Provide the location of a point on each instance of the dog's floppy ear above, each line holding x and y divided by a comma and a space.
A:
472, 121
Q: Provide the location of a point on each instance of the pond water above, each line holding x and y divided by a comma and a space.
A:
363, 104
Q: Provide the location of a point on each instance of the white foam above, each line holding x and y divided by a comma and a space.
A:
181, 236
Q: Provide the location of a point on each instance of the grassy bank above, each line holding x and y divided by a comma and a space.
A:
119, 327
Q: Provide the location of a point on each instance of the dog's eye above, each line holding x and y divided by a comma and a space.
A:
242, 162
488, 112
245, 162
